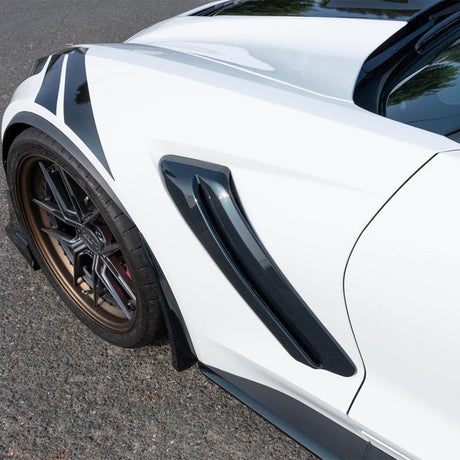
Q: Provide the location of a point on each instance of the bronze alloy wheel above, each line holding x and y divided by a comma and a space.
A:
88, 247
76, 243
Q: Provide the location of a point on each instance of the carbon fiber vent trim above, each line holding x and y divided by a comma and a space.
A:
205, 195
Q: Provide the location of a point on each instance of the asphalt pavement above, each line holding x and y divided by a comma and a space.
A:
64, 393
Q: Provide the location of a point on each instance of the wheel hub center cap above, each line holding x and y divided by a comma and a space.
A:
91, 240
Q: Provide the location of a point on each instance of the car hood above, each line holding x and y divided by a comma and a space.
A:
319, 55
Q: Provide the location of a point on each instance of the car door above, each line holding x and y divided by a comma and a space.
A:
403, 294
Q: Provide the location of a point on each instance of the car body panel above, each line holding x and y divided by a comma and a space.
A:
402, 292
308, 53
352, 188
311, 169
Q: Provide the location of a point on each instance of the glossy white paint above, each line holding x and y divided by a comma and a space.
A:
263, 144
403, 294
269, 148
322, 55
311, 169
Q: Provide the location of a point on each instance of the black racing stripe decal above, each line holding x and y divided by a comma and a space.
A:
78, 111
48, 94
206, 196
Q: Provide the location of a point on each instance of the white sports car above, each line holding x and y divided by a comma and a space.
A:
276, 184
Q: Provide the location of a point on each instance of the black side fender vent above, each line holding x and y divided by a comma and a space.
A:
205, 195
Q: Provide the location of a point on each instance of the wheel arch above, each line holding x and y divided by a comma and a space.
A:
11, 133
183, 353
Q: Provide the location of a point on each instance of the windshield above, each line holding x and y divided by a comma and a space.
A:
430, 97
371, 9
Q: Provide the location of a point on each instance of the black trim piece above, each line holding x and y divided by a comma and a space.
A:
21, 243
438, 31
48, 94
205, 195
38, 66
314, 431
398, 52
24, 120
374, 453
15, 233
183, 353
455, 136
213, 10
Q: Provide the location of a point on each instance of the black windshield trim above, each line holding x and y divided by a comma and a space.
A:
384, 66
362, 9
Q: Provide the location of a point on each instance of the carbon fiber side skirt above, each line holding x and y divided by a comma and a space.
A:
314, 431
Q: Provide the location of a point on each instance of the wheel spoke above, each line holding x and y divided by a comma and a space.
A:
101, 271
71, 194
62, 237
95, 282
78, 271
120, 275
50, 208
72, 245
65, 211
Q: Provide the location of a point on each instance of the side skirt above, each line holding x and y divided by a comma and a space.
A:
312, 430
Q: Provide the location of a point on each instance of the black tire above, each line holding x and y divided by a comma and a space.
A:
146, 323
